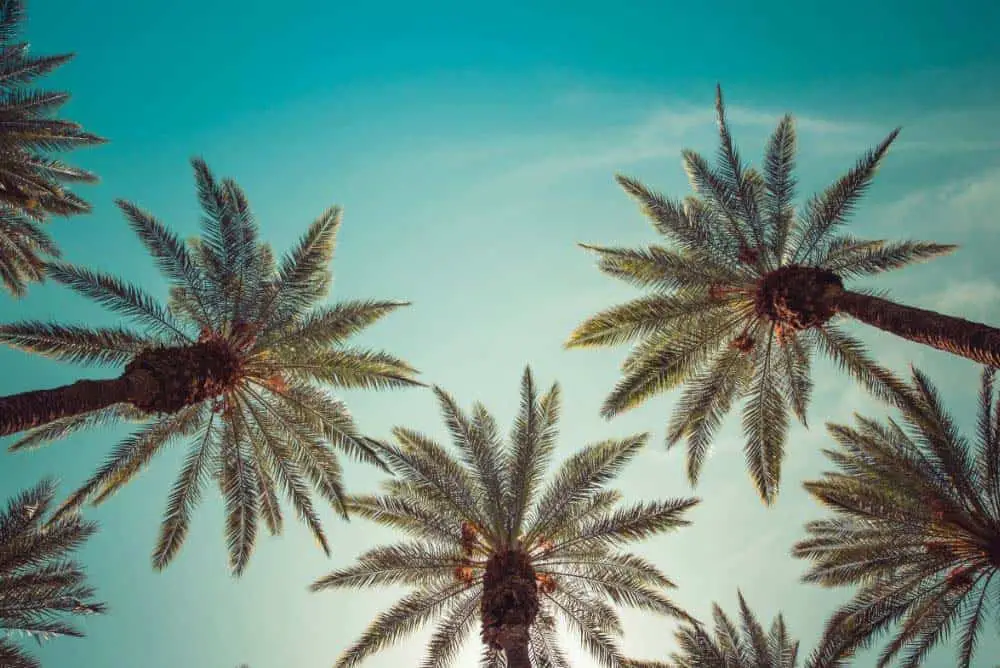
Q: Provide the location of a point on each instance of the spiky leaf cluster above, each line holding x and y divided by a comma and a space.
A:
276, 431
746, 645
916, 526
41, 588
32, 185
703, 327
572, 527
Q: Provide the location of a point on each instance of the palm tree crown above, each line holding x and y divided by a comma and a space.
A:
31, 184
492, 544
233, 363
39, 586
746, 295
917, 525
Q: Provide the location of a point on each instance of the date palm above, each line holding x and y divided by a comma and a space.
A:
916, 526
39, 585
234, 364
746, 295
491, 544
745, 646
32, 185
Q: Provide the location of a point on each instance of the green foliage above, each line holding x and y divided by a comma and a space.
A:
916, 526
747, 645
572, 528
277, 431
700, 327
40, 587
32, 185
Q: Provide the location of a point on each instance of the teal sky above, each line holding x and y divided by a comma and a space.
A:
471, 146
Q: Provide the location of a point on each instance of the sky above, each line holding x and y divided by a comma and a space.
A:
472, 146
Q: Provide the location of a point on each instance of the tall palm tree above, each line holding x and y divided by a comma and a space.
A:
917, 526
490, 543
32, 185
234, 363
748, 292
39, 585
746, 646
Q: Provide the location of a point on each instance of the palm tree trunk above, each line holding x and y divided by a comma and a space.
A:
517, 655
19, 412
965, 338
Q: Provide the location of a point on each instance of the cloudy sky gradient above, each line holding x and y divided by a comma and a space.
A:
472, 145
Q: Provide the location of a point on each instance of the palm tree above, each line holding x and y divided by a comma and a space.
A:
39, 585
747, 294
491, 544
234, 363
917, 526
32, 184
746, 646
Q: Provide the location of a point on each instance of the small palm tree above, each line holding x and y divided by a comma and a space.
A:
39, 585
492, 545
748, 646
749, 292
234, 363
31, 184
917, 526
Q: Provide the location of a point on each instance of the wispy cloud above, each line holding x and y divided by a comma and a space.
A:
606, 140
979, 299
959, 206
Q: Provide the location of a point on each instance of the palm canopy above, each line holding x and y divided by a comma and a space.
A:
491, 542
234, 364
32, 185
917, 526
747, 645
746, 295
39, 585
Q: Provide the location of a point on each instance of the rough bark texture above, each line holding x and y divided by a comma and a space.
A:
510, 601
186, 376
965, 338
518, 656
159, 380
27, 410
797, 297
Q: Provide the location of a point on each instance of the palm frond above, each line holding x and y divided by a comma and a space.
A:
914, 528
184, 496
532, 440
75, 343
831, 208
580, 476
40, 586
118, 296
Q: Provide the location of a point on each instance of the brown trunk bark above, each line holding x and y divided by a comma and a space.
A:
965, 338
27, 410
518, 656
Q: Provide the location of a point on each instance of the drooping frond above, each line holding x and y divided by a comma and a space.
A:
63, 427
41, 588
404, 618
916, 529
33, 186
